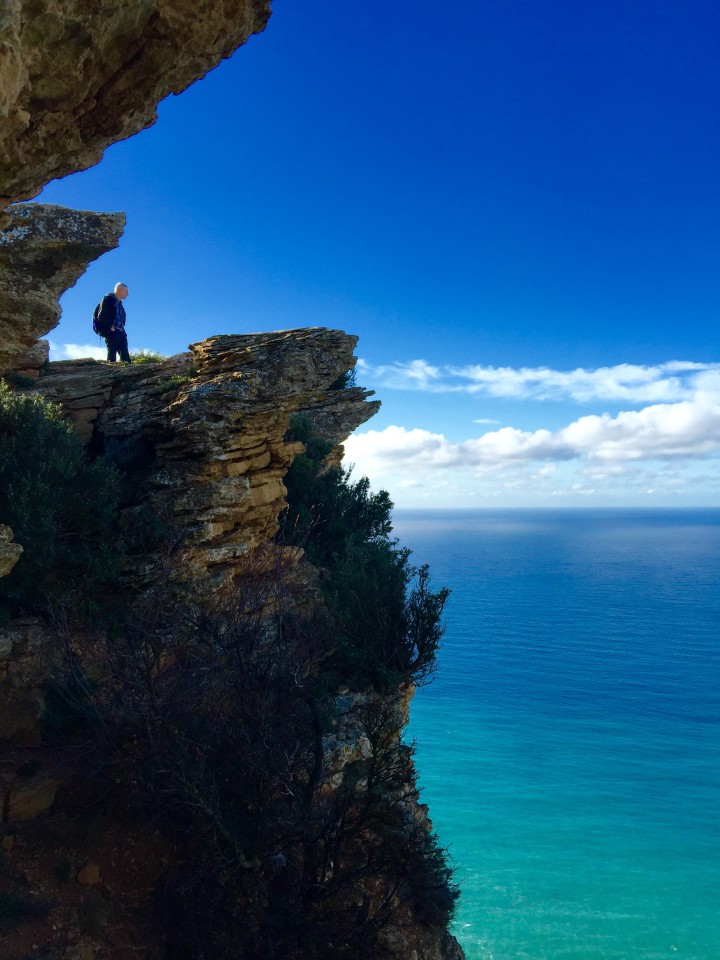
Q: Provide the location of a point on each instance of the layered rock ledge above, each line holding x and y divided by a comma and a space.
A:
205, 430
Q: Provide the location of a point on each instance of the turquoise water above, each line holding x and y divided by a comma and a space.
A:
569, 747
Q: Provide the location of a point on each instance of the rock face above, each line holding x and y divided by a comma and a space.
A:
205, 430
26, 662
43, 251
77, 76
202, 434
201, 438
9, 551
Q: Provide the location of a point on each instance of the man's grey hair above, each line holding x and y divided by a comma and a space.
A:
118, 285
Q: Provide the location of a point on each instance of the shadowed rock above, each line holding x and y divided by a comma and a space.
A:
206, 431
9, 551
44, 249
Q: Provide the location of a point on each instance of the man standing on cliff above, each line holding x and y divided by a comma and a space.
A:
110, 323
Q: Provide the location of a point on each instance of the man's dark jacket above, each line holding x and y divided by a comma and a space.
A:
112, 314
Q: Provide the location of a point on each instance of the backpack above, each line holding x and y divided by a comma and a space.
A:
100, 326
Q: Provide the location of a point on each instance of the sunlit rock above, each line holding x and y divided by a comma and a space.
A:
76, 76
44, 249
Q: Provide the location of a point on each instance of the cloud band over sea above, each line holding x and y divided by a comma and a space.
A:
657, 448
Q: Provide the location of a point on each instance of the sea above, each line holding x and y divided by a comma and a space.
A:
569, 744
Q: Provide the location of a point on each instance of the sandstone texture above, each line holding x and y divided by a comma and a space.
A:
77, 76
44, 249
205, 432
202, 435
30, 363
199, 438
9, 552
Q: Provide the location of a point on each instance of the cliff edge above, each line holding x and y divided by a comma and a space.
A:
219, 712
208, 761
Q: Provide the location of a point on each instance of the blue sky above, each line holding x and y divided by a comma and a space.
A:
514, 203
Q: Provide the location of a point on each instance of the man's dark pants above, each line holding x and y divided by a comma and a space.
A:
117, 343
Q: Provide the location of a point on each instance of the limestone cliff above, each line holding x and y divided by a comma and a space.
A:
207, 430
77, 76
44, 249
202, 436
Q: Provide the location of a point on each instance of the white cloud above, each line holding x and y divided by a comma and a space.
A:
689, 429
412, 375
667, 382
76, 351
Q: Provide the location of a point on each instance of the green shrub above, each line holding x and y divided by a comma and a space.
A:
175, 382
327, 512
345, 380
59, 505
217, 724
146, 356
389, 620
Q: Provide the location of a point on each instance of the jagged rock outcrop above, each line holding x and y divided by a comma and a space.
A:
44, 249
76, 76
201, 439
30, 363
206, 430
204, 436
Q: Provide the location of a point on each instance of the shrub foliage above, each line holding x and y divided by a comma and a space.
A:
60, 506
389, 620
212, 718
211, 713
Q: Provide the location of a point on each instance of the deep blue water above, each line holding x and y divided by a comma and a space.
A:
569, 746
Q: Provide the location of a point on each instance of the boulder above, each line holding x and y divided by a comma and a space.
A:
43, 251
29, 798
9, 552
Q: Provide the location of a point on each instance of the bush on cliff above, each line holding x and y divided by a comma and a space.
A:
214, 720
389, 620
60, 506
